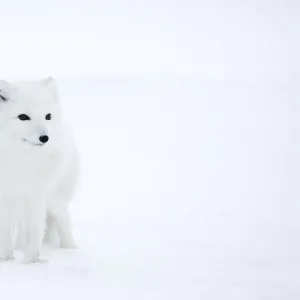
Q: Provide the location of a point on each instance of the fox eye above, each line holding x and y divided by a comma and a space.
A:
23, 117
48, 117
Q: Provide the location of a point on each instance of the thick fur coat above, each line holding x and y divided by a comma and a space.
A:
38, 169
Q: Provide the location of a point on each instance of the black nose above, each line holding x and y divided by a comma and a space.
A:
44, 138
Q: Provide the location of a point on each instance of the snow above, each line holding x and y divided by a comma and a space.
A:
215, 39
186, 115
189, 190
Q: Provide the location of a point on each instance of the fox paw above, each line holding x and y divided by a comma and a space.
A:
7, 258
68, 246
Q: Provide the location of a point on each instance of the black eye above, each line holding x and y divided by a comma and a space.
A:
48, 117
23, 117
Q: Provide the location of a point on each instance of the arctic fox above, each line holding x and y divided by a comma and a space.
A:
38, 168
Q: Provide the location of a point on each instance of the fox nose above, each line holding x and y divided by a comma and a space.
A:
44, 138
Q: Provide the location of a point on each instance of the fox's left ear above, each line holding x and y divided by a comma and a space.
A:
5, 88
50, 83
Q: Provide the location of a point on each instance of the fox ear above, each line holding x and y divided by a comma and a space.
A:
50, 83
4, 90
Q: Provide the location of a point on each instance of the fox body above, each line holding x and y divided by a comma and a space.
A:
38, 169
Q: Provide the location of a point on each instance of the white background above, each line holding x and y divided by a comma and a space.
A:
186, 115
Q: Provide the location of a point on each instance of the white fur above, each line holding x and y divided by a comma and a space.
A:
36, 181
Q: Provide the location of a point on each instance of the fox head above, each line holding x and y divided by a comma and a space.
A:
29, 112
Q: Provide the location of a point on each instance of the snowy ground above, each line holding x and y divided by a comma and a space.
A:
189, 190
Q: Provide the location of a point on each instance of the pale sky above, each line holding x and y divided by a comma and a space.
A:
239, 39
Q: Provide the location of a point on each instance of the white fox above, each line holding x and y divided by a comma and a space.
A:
38, 168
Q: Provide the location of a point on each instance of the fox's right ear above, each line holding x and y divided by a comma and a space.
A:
4, 90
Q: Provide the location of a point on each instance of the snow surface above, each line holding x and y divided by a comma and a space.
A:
189, 190
189, 143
